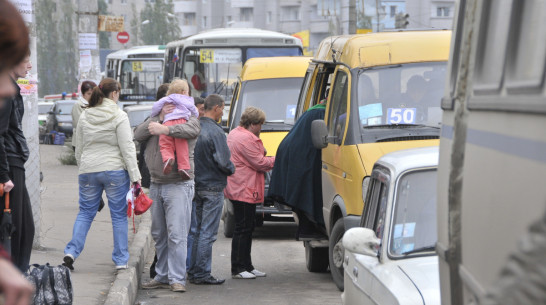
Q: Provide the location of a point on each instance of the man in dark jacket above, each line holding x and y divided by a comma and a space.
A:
212, 166
13, 155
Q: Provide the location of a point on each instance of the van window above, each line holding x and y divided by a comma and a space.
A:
337, 117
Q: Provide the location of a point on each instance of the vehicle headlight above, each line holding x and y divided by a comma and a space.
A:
365, 184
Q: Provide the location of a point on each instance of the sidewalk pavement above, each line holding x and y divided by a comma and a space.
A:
95, 280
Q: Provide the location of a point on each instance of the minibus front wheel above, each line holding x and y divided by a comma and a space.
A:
336, 252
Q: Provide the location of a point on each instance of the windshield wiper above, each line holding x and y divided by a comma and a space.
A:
398, 126
422, 249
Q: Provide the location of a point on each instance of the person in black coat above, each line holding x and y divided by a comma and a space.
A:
13, 155
296, 177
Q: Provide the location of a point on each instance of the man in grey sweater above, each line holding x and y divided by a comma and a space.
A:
172, 196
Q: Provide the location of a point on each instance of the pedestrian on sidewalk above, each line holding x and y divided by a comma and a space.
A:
245, 188
106, 157
161, 93
13, 155
212, 165
172, 196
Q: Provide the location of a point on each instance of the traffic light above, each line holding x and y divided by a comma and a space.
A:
401, 21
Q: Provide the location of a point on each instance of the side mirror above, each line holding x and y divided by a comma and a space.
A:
362, 241
319, 134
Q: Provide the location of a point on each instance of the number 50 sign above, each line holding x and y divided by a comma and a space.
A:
401, 116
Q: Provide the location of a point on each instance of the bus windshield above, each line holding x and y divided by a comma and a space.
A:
140, 79
401, 95
277, 97
212, 71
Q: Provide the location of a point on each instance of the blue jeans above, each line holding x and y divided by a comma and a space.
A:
116, 185
171, 216
208, 211
191, 234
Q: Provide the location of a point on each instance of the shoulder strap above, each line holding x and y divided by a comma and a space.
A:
52, 283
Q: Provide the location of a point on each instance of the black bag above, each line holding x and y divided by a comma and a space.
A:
52, 285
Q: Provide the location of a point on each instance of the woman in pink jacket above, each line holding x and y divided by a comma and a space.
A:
245, 188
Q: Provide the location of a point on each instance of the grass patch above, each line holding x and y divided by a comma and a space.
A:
68, 158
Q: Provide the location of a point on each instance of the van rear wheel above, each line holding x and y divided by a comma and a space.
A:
336, 252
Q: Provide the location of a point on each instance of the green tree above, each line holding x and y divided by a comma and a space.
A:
67, 51
159, 27
135, 24
104, 37
47, 44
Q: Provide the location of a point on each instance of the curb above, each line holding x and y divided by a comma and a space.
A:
125, 287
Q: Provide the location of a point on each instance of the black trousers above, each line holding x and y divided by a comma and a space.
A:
23, 221
241, 243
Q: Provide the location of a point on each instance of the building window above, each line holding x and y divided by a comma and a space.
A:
289, 13
189, 18
110, 1
247, 14
393, 11
123, 1
269, 17
204, 21
443, 11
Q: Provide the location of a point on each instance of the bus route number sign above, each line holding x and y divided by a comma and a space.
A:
137, 66
207, 56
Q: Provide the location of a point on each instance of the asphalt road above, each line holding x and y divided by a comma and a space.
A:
275, 252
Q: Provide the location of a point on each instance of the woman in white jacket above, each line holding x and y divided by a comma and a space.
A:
107, 162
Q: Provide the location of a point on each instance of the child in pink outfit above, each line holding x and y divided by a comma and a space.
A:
169, 146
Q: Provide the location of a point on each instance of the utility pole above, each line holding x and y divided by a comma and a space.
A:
89, 60
29, 91
352, 16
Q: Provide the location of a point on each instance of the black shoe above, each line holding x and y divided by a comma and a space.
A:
208, 281
69, 262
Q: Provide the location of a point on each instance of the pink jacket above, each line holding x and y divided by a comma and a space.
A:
248, 155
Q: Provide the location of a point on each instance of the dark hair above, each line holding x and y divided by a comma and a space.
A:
198, 101
162, 91
106, 86
213, 100
87, 85
14, 37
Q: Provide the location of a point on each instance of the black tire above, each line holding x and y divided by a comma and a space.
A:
316, 259
229, 225
336, 253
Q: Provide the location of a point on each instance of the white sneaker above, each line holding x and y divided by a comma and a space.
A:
244, 275
121, 267
258, 273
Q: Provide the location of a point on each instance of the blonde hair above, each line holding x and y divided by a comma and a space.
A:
252, 115
178, 86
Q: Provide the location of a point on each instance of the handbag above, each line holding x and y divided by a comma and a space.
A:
137, 202
52, 285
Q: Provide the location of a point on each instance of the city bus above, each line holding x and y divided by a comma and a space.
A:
491, 194
140, 72
212, 61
